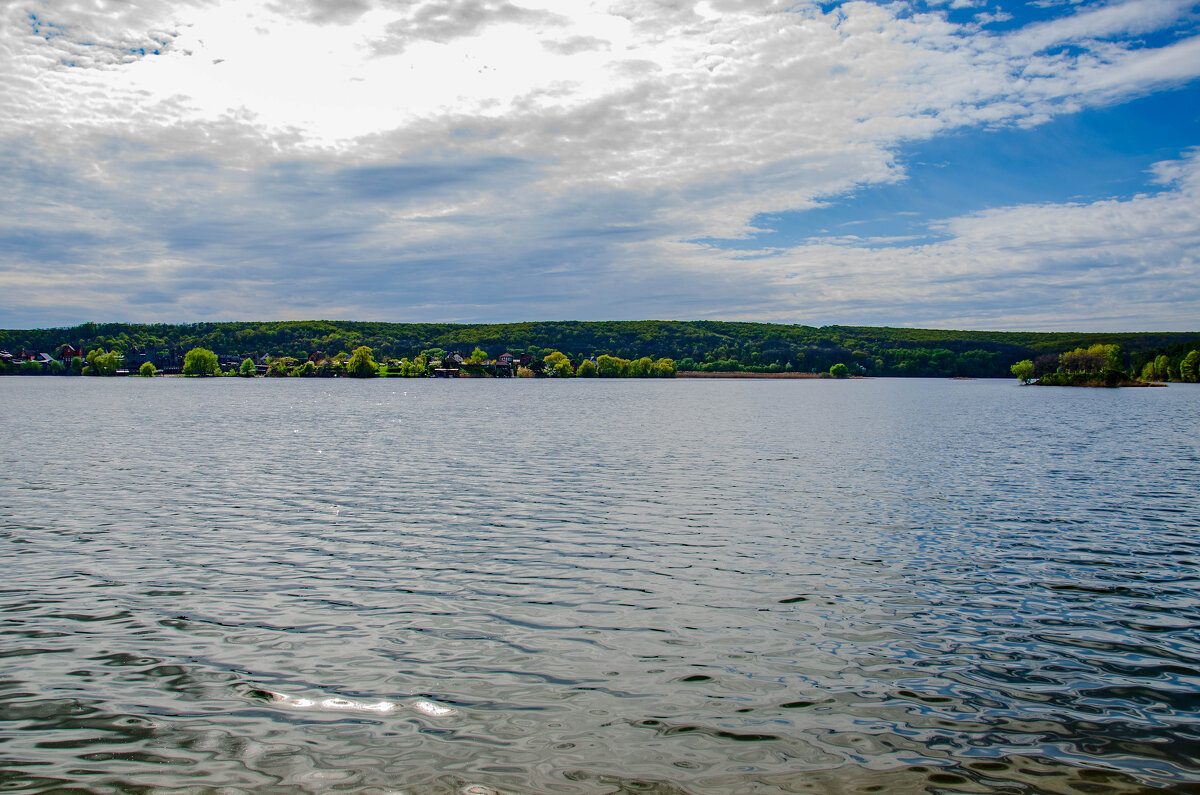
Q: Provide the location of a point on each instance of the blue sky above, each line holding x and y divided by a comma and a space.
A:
967, 164
1094, 154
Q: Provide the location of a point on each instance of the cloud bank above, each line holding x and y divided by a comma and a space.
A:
484, 160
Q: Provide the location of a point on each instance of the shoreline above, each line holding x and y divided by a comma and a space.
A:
700, 374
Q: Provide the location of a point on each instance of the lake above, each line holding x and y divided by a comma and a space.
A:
583, 586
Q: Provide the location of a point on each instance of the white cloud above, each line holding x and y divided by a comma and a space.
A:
1109, 264
577, 140
443, 21
1128, 18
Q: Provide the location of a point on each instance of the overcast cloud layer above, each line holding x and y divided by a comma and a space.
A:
485, 160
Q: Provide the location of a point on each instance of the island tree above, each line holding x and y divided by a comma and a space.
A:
1023, 370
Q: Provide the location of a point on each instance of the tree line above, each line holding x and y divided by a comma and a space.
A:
361, 364
692, 345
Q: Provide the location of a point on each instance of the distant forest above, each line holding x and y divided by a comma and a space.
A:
694, 345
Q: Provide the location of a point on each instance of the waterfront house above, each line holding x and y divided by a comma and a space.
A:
69, 352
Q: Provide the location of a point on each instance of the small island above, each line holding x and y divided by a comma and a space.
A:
1102, 366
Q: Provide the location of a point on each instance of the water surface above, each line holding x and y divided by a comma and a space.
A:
668, 586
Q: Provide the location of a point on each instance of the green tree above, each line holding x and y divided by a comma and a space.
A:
76, 367
147, 370
1189, 368
1115, 360
1023, 370
361, 365
478, 356
1094, 359
1162, 367
417, 368
642, 368
100, 363
247, 370
279, 366
558, 365
664, 368
586, 369
612, 366
29, 368
201, 362
839, 370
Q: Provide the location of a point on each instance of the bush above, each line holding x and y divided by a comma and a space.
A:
417, 368
280, 366
247, 370
839, 370
147, 370
1109, 378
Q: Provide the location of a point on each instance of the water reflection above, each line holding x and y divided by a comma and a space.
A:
670, 587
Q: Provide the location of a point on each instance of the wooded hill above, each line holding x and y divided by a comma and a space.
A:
694, 345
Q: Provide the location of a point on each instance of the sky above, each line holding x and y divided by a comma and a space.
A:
966, 164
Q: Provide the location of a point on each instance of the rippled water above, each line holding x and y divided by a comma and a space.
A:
590, 586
